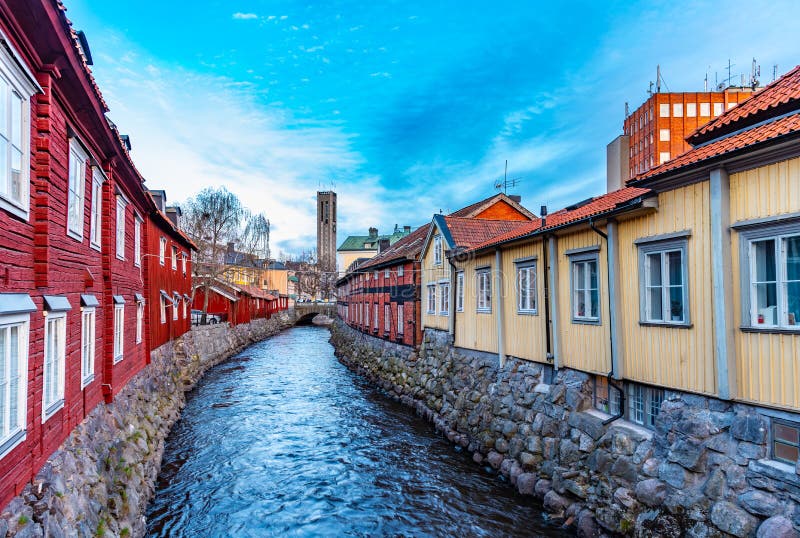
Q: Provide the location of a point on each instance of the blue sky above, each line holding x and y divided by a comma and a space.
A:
404, 107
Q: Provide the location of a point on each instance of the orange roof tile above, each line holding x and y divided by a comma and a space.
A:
778, 94
467, 233
761, 133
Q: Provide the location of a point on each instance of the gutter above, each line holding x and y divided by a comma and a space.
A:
451, 321
498, 292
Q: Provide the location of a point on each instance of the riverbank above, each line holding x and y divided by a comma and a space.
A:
100, 480
701, 472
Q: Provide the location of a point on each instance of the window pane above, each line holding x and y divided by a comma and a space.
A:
674, 267
793, 258
786, 433
786, 452
767, 304
793, 303
654, 266
765, 260
595, 306
16, 174
4, 170
676, 303
656, 312
593, 274
580, 304
16, 120
3, 381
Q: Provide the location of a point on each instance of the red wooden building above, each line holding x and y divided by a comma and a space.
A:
237, 303
381, 297
168, 273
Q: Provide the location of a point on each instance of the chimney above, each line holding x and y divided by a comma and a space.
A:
406, 230
617, 163
383, 244
373, 233
516, 197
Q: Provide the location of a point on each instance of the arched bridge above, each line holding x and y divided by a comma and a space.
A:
305, 312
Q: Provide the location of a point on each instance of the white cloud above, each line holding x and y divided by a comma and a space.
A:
244, 16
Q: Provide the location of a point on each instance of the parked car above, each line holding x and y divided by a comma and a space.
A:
211, 319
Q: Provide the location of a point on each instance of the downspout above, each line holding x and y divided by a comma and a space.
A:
451, 322
612, 311
547, 338
498, 292
553, 276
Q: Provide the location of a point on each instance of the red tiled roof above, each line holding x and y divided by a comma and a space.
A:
473, 209
253, 291
597, 206
467, 233
760, 133
775, 95
405, 248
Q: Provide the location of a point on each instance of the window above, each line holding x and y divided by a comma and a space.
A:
386, 274
705, 110
677, 110
87, 345
163, 308
663, 277
731, 105
718, 108
585, 288
175, 301
400, 270
140, 320
13, 378
644, 404
375, 275
375, 323
663, 110
137, 240
55, 334
526, 287
663, 135
460, 291
183, 260
174, 258
186, 302
15, 110
431, 298
77, 186
366, 321
96, 221
691, 110
444, 298
484, 290
119, 330
606, 397
387, 318
121, 204
162, 251
437, 250
663, 157
774, 279
400, 319
785, 441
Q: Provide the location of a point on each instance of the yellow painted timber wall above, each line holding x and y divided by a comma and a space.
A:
433, 274
476, 330
524, 333
583, 346
672, 357
768, 365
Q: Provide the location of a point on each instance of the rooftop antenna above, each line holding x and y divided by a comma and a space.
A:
650, 90
506, 183
658, 78
730, 65
705, 83
627, 110
755, 74
774, 72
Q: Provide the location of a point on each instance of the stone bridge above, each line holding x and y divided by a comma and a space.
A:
304, 313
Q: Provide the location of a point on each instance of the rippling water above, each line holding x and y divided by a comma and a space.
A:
283, 440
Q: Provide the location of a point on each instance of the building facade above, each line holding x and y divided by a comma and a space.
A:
326, 231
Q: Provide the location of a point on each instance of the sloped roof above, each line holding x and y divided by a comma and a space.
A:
466, 232
407, 248
779, 95
595, 207
475, 209
356, 242
167, 223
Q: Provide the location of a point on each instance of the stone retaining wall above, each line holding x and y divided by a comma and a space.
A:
701, 473
100, 480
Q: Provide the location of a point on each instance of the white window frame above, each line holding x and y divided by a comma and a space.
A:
705, 110
175, 309
644, 404
96, 220
375, 320
677, 110
437, 249
162, 251
719, 108
584, 259
186, 302
649, 247
431, 296
528, 269
483, 290
53, 370
13, 435
17, 82
122, 205
174, 258
444, 297
779, 233
139, 321
460, 291
663, 135
663, 157
386, 273
663, 110
183, 260
88, 334
400, 270
163, 308
691, 110
119, 332
400, 320
76, 189
387, 318
137, 240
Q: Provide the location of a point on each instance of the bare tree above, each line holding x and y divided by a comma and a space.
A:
212, 218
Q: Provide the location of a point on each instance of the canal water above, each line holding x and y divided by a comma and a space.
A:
283, 440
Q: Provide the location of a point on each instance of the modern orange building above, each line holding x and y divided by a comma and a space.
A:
656, 131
